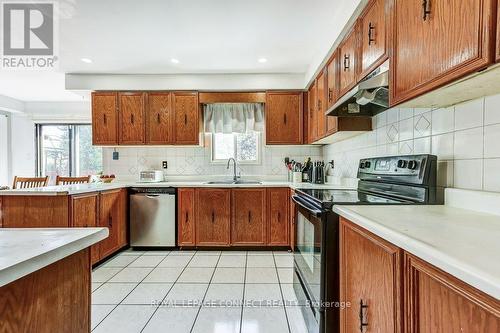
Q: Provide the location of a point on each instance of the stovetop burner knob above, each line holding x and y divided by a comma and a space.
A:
412, 165
402, 164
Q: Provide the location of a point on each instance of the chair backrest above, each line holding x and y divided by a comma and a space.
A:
72, 180
30, 182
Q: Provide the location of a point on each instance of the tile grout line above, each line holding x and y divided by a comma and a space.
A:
244, 290
173, 284
115, 305
282, 296
132, 288
205, 294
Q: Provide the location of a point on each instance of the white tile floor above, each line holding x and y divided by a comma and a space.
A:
196, 291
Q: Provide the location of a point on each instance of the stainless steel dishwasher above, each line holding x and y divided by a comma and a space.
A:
152, 217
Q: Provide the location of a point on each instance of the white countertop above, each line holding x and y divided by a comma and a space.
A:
94, 187
26, 250
461, 242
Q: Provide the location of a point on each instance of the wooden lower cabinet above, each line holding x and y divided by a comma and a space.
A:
213, 217
113, 215
34, 211
370, 280
438, 302
278, 201
248, 225
186, 217
85, 214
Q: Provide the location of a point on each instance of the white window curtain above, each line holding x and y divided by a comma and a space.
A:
234, 117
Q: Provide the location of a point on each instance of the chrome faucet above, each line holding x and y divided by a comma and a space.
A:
235, 177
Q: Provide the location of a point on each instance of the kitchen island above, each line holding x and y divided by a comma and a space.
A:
45, 279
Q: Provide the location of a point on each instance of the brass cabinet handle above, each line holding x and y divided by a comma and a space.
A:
105, 119
347, 62
279, 217
158, 120
284, 118
330, 94
426, 9
249, 216
371, 27
213, 217
362, 316
185, 119
187, 217
132, 118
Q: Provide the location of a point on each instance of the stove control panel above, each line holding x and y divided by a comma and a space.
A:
408, 168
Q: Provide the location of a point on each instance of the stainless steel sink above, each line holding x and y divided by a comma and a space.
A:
231, 182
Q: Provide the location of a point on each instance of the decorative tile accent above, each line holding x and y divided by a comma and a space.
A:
392, 133
422, 126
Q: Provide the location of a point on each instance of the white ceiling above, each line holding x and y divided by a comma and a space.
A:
206, 36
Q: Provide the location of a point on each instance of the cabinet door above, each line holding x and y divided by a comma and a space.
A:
249, 217
159, 125
439, 43
313, 116
437, 302
187, 118
104, 118
112, 215
373, 26
284, 118
213, 217
85, 213
322, 92
370, 273
332, 91
278, 216
348, 62
186, 217
132, 118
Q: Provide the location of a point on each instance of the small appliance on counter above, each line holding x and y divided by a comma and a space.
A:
151, 176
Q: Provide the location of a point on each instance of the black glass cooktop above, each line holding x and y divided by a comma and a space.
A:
329, 197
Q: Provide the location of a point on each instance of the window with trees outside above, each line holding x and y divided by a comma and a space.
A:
66, 150
243, 147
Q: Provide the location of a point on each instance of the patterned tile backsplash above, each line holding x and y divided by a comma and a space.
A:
196, 161
465, 137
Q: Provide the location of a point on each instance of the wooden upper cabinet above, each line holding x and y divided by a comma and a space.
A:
284, 118
370, 279
313, 116
104, 118
278, 200
332, 69
187, 118
213, 217
159, 125
438, 302
348, 53
249, 216
322, 102
373, 31
186, 217
438, 43
132, 107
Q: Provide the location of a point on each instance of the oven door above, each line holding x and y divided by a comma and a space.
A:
309, 256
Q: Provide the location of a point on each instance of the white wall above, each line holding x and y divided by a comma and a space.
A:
23, 146
68, 112
465, 137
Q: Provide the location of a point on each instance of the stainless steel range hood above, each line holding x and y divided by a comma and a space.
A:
369, 97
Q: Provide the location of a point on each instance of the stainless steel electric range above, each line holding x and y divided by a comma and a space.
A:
396, 180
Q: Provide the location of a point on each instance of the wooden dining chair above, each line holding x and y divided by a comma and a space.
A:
72, 180
30, 182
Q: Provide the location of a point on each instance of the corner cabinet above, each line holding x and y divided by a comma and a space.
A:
187, 120
104, 118
370, 279
436, 42
284, 118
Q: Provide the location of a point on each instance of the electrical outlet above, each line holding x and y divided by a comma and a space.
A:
116, 155
164, 164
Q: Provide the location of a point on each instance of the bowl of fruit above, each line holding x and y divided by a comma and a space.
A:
107, 178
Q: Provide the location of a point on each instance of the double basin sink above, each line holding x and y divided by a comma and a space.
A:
235, 182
